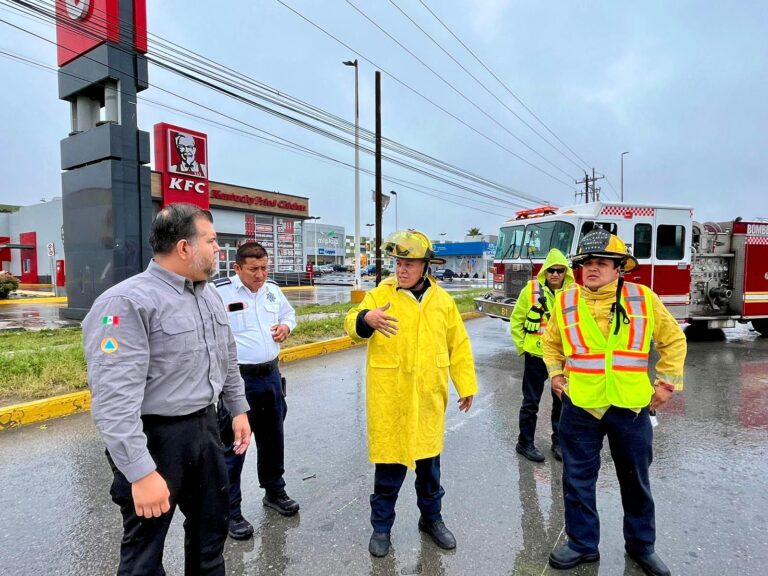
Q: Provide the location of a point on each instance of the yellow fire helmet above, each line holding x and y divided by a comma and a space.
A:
411, 245
600, 243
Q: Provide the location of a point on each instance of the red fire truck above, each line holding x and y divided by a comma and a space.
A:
710, 275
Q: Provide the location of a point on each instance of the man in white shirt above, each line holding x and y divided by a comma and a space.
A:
261, 318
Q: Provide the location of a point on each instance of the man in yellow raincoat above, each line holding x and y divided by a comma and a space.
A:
416, 338
528, 322
597, 350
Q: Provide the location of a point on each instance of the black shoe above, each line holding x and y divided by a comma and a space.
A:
439, 533
531, 452
240, 528
565, 557
379, 544
651, 564
557, 452
281, 502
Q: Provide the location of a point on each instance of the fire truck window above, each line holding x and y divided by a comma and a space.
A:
591, 225
642, 242
670, 242
541, 238
510, 240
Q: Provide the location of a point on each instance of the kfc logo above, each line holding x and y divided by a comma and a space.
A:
81, 25
183, 154
182, 157
78, 10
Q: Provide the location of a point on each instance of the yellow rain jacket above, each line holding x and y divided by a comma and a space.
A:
407, 374
531, 342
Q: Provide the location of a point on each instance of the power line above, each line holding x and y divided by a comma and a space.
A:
452, 87
503, 85
326, 118
481, 83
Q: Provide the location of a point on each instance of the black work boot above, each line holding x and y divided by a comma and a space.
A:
651, 564
565, 557
557, 452
379, 544
439, 533
281, 502
240, 528
531, 452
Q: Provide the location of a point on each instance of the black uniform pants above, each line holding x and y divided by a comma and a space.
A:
388, 479
264, 392
630, 438
534, 377
190, 457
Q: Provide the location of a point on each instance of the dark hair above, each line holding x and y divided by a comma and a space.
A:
250, 250
173, 223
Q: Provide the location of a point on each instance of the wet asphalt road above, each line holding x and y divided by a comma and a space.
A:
708, 478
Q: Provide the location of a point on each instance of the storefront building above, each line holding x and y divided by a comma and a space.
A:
32, 239
468, 258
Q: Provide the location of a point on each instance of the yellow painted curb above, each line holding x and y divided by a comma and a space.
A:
42, 410
17, 415
296, 288
41, 300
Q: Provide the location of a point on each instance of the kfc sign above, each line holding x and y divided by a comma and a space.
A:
84, 24
181, 155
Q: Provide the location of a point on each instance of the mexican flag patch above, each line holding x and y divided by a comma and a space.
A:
114, 320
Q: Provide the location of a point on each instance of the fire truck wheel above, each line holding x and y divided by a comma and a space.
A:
761, 326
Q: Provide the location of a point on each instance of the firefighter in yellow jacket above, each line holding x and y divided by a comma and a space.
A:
596, 349
416, 339
528, 322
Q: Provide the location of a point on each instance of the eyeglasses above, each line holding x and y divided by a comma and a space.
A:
560, 271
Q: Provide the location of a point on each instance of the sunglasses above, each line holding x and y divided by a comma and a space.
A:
560, 271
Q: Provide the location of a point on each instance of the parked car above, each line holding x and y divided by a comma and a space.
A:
326, 268
368, 270
342, 268
445, 274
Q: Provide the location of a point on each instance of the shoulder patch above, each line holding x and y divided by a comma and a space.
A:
219, 282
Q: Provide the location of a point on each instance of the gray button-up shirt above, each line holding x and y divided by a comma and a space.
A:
156, 343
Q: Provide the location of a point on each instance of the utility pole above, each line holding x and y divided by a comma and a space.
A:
587, 188
379, 211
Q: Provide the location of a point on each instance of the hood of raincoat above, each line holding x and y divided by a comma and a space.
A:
556, 258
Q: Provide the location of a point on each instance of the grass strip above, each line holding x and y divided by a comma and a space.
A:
45, 363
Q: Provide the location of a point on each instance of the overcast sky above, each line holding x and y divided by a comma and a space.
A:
681, 85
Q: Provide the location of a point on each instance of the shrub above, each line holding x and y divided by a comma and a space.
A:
8, 283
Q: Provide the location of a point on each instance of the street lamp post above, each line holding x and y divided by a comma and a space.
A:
395, 195
368, 235
622, 175
357, 175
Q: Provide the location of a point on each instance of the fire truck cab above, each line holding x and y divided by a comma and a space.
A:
708, 274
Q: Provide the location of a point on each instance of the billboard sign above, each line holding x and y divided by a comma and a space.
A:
81, 25
181, 156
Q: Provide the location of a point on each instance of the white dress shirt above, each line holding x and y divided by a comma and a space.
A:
252, 325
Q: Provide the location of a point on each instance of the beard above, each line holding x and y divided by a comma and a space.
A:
203, 265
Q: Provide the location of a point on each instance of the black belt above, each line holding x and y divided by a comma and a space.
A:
258, 369
163, 418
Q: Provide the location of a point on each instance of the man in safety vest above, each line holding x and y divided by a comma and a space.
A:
416, 339
596, 349
528, 322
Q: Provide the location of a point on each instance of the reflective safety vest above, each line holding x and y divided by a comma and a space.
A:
612, 371
535, 323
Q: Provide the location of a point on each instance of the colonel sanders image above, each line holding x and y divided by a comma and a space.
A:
188, 164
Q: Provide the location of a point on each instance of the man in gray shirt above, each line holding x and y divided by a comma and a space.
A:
160, 352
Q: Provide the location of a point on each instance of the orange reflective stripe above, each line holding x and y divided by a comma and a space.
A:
586, 363
634, 299
571, 320
628, 361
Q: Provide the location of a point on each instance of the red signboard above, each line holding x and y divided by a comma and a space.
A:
181, 155
84, 24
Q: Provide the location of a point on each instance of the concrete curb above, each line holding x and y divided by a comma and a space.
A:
41, 300
17, 415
